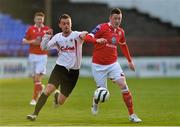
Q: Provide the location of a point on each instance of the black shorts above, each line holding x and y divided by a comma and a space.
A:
66, 79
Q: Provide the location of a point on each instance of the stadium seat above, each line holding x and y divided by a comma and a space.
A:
11, 33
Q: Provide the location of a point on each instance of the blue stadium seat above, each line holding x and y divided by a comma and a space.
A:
11, 33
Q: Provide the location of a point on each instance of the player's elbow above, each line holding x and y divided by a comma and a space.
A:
24, 41
89, 39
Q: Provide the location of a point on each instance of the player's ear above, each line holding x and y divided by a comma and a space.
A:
71, 23
34, 19
59, 24
110, 18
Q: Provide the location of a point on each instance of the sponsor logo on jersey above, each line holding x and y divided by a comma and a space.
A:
71, 40
67, 48
111, 45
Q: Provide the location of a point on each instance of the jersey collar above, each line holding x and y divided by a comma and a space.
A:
115, 29
38, 27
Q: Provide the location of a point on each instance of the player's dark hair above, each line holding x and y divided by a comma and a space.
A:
39, 14
64, 16
115, 11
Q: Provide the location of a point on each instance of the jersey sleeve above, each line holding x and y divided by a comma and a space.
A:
97, 31
52, 44
28, 33
124, 47
48, 43
78, 35
123, 38
125, 51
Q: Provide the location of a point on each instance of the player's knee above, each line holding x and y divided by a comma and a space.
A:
124, 89
49, 89
37, 78
62, 102
47, 92
122, 84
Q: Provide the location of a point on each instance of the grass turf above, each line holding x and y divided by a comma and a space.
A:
156, 101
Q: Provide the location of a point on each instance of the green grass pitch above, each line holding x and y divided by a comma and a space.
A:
156, 101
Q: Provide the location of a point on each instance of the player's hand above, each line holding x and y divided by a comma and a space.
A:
49, 32
83, 34
132, 66
24, 41
35, 41
101, 40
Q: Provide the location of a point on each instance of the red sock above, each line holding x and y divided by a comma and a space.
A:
128, 101
37, 90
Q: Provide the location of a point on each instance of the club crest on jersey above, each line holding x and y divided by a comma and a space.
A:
71, 40
113, 40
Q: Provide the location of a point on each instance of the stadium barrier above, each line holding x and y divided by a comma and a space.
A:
145, 67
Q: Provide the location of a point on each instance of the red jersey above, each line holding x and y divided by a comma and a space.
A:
32, 33
107, 53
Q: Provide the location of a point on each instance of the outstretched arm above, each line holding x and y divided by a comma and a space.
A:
90, 39
45, 40
95, 35
83, 35
34, 42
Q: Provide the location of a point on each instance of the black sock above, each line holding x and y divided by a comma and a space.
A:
41, 101
96, 101
56, 98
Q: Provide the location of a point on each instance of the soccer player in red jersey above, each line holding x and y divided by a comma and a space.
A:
104, 62
37, 57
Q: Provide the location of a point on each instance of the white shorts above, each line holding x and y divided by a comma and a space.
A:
37, 64
102, 72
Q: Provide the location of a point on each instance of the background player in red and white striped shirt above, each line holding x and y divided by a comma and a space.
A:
37, 57
104, 62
